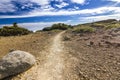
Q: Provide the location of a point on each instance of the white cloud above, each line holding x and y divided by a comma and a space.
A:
41, 2
45, 8
63, 4
95, 11
76, 7
98, 18
27, 5
6, 6
58, 0
114, 1
1, 1
78, 1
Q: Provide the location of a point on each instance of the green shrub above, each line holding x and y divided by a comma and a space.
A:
59, 26
13, 31
47, 29
84, 29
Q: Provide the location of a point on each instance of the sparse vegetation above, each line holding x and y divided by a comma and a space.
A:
84, 29
13, 30
97, 25
112, 26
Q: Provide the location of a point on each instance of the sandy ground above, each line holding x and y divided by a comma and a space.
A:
52, 66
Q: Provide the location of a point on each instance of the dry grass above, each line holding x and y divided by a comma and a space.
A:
33, 43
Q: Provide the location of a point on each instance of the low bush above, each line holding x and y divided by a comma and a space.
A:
59, 26
13, 31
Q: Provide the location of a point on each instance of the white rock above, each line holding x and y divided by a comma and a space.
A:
15, 62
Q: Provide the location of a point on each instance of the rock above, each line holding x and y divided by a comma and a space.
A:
11, 50
114, 32
99, 44
15, 62
67, 38
86, 38
90, 43
107, 37
113, 43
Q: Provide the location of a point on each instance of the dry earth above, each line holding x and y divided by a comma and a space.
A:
50, 64
68, 59
92, 62
33, 43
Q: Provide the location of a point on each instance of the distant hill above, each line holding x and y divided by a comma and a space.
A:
104, 24
107, 21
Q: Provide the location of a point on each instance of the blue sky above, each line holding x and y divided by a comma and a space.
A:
36, 14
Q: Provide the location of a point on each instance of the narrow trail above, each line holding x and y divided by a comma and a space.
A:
52, 67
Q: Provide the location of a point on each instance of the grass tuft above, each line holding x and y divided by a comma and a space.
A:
85, 29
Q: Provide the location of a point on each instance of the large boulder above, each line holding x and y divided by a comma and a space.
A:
15, 62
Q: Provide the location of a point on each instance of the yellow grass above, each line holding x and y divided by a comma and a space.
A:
32, 43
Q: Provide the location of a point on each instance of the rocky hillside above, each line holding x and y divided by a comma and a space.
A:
96, 53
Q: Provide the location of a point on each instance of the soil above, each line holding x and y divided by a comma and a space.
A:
70, 56
92, 61
49, 64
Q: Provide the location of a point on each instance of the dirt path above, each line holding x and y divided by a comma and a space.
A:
52, 67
